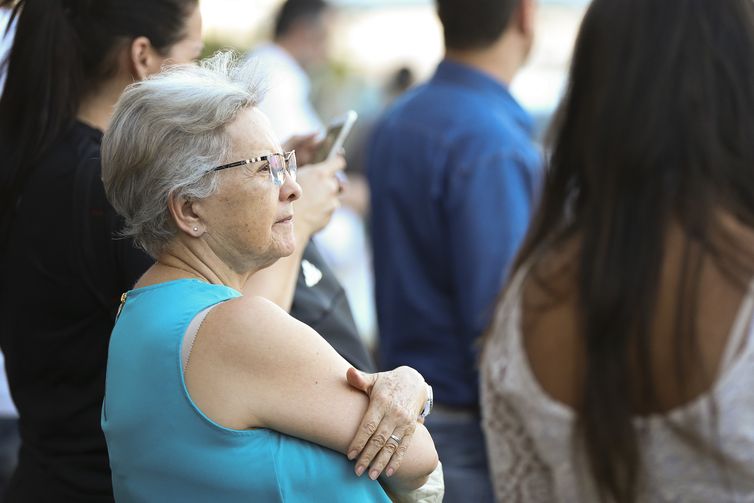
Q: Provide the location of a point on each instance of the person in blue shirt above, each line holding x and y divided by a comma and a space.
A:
212, 395
454, 177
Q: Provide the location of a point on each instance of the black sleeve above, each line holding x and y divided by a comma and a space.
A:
322, 304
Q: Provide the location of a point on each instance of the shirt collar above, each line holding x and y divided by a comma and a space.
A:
467, 76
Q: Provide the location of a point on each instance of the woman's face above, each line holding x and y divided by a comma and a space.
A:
189, 48
249, 221
186, 50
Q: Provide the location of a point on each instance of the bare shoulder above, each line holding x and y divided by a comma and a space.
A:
247, 312
247, 320
254, 333
254, 365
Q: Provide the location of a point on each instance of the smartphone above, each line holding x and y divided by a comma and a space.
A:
337, 132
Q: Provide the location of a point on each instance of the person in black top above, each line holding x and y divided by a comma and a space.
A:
324, 307
63, 266
62, 272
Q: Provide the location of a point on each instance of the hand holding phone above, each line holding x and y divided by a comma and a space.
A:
337, 132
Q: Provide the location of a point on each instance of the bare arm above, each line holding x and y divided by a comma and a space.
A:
252, 365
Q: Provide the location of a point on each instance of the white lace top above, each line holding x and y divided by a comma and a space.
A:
529, 434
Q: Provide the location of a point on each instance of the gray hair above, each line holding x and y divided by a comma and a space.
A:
167, 132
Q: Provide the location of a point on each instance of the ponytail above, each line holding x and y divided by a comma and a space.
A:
42, 89
62, 50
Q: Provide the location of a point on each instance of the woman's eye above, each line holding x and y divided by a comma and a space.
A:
265, 167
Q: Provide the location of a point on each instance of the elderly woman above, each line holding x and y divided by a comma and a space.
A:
212, 395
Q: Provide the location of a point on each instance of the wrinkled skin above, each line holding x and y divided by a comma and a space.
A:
395, 401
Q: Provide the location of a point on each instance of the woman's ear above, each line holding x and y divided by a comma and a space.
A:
527, 17
184, 216
144, 58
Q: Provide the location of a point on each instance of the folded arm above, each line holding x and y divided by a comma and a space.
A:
253, 365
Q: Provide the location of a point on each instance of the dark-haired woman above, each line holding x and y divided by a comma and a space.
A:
620, 366
62, 273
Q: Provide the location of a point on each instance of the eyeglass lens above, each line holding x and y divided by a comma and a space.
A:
277, 163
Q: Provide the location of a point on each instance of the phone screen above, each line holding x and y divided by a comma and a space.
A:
327, 143
336, 135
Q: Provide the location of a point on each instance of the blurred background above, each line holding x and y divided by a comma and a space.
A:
377, 49
372, 40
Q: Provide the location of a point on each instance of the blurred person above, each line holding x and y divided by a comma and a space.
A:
453, 175
340, 253
357, 275
620, 366
62, 270
397, 83
299, 45
400, 82
206, 386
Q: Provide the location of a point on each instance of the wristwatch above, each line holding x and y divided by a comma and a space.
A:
428, 404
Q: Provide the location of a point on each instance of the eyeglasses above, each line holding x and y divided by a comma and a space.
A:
278, 162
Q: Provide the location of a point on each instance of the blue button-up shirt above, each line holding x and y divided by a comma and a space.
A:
454, 176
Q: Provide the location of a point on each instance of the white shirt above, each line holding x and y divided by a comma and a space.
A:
287, 86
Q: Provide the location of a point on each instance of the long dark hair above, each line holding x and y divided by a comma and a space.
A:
656, 127
62, 50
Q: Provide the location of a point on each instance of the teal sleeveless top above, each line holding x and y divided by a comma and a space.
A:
163, 448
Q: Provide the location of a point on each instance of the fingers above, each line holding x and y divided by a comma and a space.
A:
301, 142
391, 454
378, 452
360, 380
333, 165
392, 410
380, 447
319, 178
367, 429
377, 442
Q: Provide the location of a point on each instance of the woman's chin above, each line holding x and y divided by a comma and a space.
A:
285, 245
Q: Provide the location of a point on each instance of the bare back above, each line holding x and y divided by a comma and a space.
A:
556, 350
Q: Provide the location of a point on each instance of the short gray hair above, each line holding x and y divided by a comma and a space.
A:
167, 132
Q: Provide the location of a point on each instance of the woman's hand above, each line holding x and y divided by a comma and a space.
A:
319, 197
305, 145
395, 400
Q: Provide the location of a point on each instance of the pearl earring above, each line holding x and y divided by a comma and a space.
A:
196, 229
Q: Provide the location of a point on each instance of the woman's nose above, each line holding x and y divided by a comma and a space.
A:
290, 190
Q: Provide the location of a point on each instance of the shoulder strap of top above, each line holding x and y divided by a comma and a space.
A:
190, 336
741, 328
